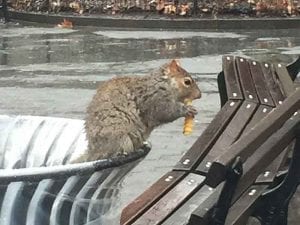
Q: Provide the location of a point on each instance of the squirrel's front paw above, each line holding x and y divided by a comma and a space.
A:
190, 110
147, 145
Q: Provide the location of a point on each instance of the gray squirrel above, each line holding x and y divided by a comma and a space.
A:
125, 110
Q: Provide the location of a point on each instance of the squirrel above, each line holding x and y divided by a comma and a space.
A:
125, 110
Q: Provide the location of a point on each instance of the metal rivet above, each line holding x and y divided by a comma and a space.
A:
266, 65
265, 110
242, 60
228, 58
210, 189
186, 161
279, 65
234, 94
208, 164
254, 63
231, 103
295, 113
250, 96
169, 178
252, 192
280, 102
267, 173
248, 106
265, 100
190, 182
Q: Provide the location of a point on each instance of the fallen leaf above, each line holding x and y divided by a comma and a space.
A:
65, 24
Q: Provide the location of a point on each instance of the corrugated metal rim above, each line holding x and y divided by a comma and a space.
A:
65, 171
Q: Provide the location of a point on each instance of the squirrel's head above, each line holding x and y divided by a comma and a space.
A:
182, 81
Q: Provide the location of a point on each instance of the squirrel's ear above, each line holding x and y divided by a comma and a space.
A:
177, 61
174, 65
171, 67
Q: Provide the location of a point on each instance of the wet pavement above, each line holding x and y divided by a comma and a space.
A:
49, 71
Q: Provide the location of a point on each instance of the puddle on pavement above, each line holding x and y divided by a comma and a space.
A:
54, 72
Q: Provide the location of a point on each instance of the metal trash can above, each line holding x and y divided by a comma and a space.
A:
39, 187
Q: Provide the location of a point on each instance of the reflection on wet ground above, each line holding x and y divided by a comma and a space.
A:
54, 72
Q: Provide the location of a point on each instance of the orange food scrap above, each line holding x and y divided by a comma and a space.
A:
65, 24
188, 122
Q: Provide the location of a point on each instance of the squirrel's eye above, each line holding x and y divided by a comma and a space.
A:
187, 81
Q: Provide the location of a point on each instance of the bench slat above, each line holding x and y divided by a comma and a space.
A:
272, 86
142, 203
285, 80
270, 172
261, 112
243, 208
247, 83
207, 139
253, 167
260, 83
182, 214
267, 152
246, 145
201, 215
229, 135
161, 210
268, 176
233, 88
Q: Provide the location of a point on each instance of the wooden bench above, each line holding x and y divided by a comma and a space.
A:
253, 128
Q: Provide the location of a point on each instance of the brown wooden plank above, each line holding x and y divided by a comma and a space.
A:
203, 144
200, 215
294, 68
169, 202
150, 196
241, 210
265, 154
260, 84
261, 112
252, 167
271, 171
285, 81
233, 88
181, 216
269, 174
246, 80
272, 85
247, 144
229, 135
